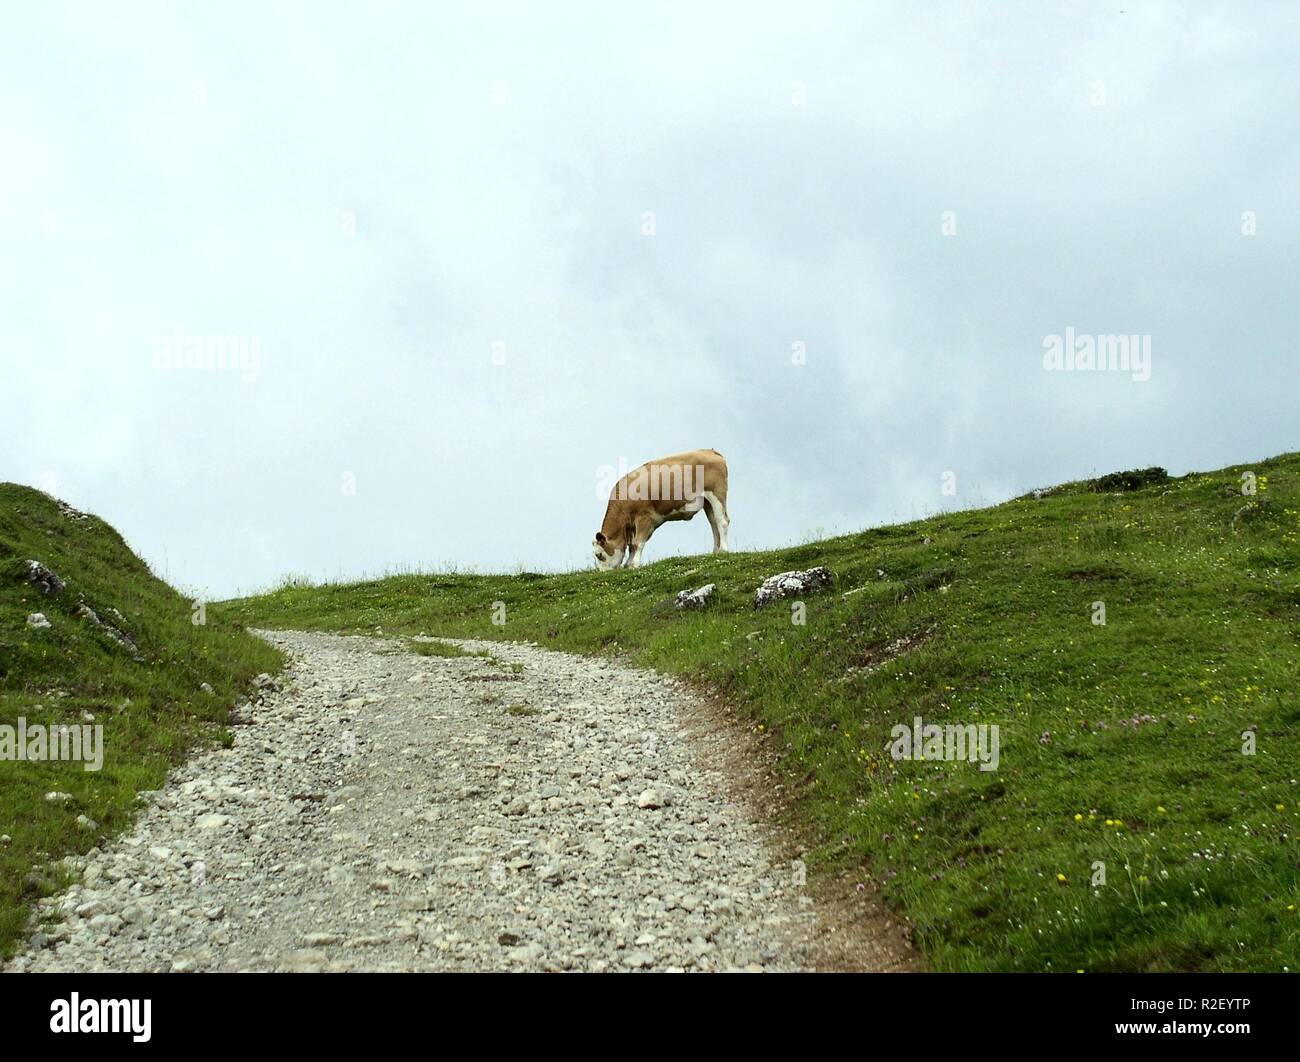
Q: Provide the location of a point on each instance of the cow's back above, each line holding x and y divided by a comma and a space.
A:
671, 484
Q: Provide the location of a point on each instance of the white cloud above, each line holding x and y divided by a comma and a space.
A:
162, 170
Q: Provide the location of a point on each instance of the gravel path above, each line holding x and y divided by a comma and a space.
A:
390, 811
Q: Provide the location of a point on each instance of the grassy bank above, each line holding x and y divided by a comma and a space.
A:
1121, 743
136, 667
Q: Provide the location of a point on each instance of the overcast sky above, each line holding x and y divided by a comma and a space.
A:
473, 253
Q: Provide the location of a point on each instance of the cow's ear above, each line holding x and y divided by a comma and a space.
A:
600, 537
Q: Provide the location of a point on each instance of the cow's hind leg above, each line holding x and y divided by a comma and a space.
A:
716, 509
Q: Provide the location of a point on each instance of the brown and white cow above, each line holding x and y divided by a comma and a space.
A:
670, 488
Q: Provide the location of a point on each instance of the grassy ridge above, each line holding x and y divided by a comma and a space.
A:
1121, 744
147, 694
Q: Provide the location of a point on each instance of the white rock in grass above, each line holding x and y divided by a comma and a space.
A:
41, 576
38, 621
695, 598
792, 584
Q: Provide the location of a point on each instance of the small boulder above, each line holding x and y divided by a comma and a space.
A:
85, 612
792, 584
70, 513
39, 575
639, 959
687, 599
650, 799
37, 621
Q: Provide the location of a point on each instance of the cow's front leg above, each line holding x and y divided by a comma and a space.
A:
642, 531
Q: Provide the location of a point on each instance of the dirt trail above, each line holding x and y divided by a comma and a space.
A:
384, 810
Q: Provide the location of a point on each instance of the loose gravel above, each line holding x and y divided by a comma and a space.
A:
383, 810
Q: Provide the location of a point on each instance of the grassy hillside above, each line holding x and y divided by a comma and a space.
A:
137, 667
1121, 744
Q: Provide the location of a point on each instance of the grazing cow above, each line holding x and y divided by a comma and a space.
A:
671, 488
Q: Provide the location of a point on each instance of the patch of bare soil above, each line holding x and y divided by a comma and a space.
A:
855, 932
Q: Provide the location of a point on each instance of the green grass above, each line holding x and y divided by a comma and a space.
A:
149, 699
438, 649
994, 608
423, 648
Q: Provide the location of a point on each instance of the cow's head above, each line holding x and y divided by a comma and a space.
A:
608, 554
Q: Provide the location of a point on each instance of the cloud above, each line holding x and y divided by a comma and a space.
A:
434, 227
